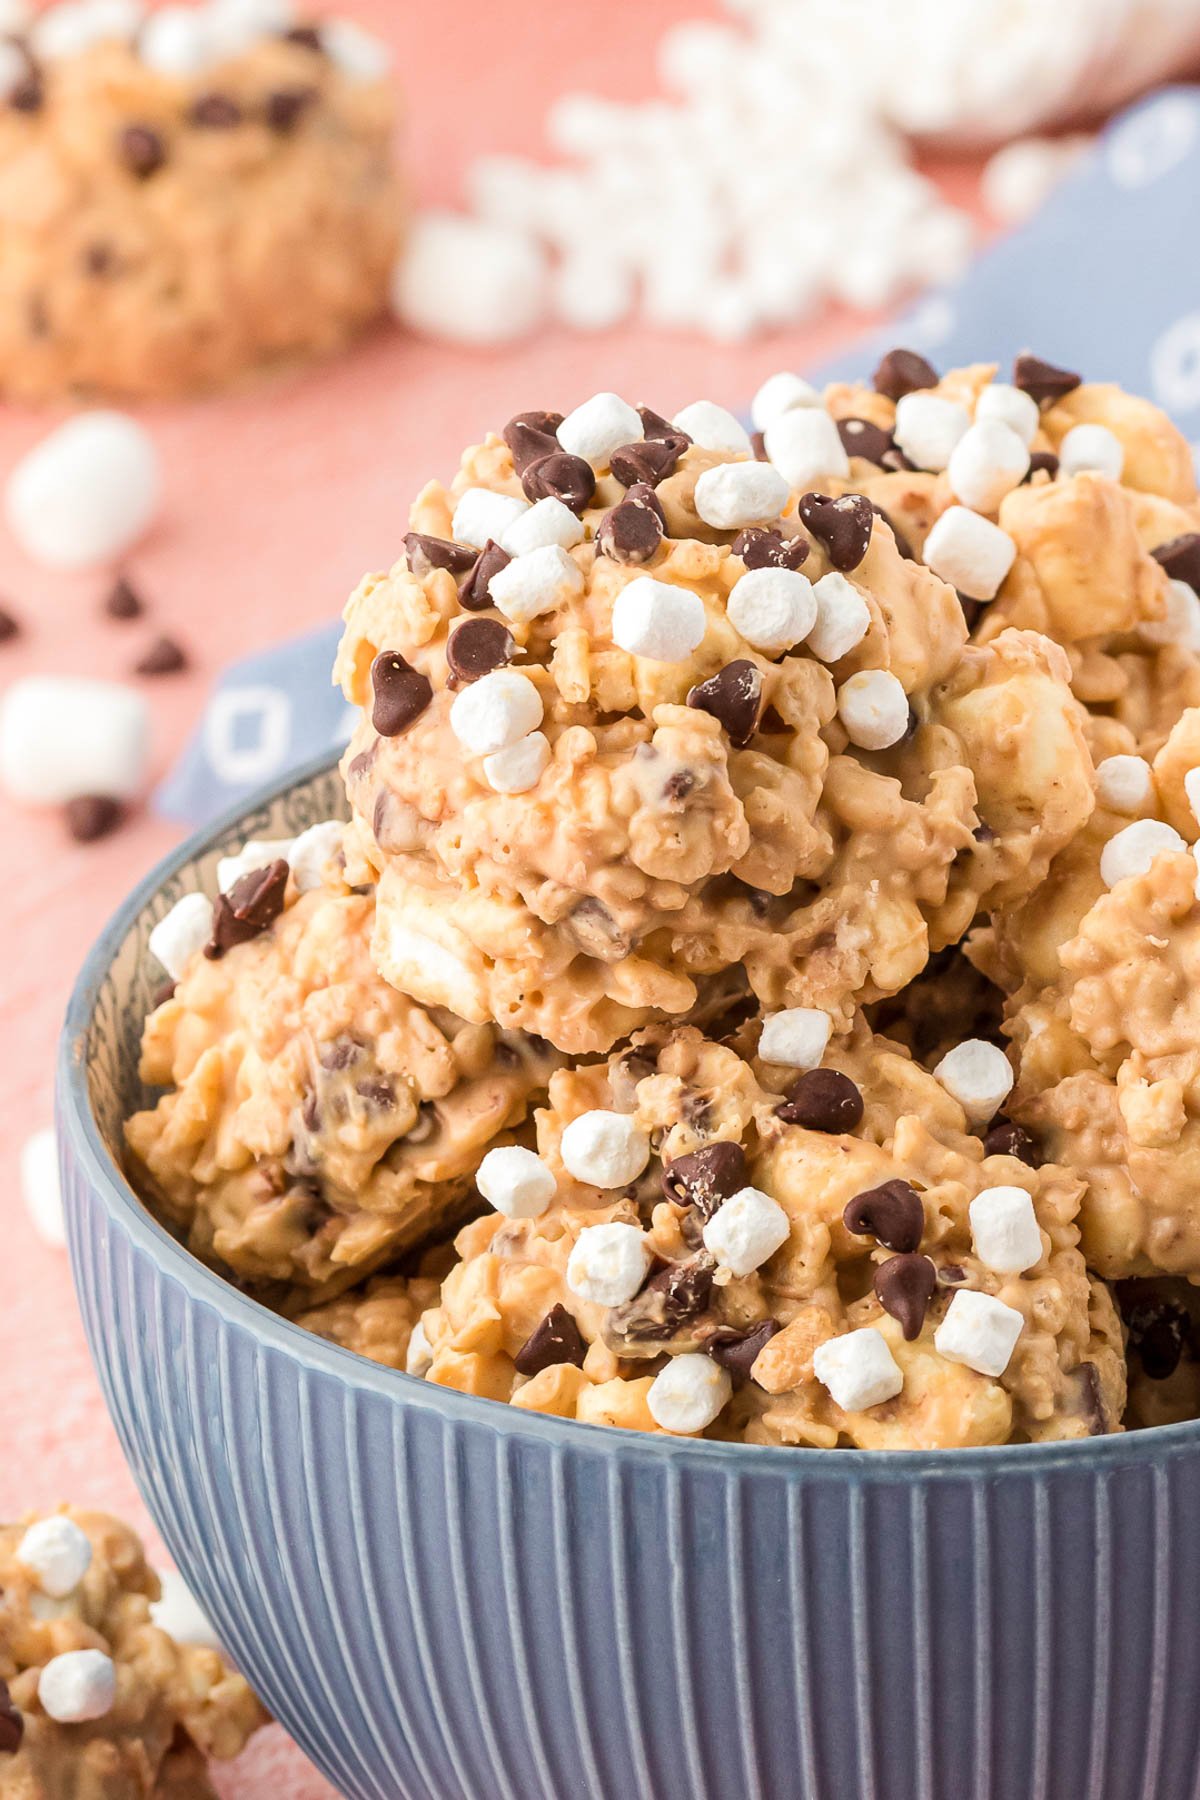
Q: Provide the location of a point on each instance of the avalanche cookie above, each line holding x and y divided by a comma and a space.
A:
185, 199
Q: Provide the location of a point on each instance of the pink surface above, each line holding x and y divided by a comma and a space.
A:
277, 501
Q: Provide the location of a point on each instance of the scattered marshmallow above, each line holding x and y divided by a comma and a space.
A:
873, 707
796, 1038
418, 1359
746, 1230
1135, 847
1004, 1230
843, 618
355, 52
737, 494
598, 427
712, 427
182, 934
605, 1149
1180, 623
608, 1264
516, 1182
62, 736
535, 583
779, 394
773, 609
57, 1553
969, 552
468, 280
547, 522
988, 461
179, 1614
1091, 447
689, 1394
590, 291
495, 711
978, 1075
1002, 404
313, 851
928, 428
86, 493
257, 853
858, 1369
481, 514
657, 620
804, 445
77, 1686
979, 1332
41, 1189
520, 767
178, 41
1125, 784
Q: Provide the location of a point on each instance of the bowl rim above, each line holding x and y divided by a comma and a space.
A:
80, 1131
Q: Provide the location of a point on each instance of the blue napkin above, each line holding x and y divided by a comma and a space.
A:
1104, 279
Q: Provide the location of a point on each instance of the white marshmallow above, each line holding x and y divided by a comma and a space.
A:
547, 522
978, 1075
804, 445
520, 767
86, 493
179, 1614
497, 710
858, 1369
591, 291
535, 583
1181, 622
516, 1182
796, 1039
988, 461
77, 1686
712, 427
605, 1149
689, 1394
1011, 406
873, 707
1004, 1230
418, 1359
843, 618
1191, 787
62, 736
737, 494
598, 427
58, 1553
41, 1189
608, 1264
182, 934
980, 1332
1134, 848
72, 28
1091, 447
969, 552
357, 53
928, 427
178, 41
657, 620
779, 394
1125, 784
480, 514
470, 281
258, 853
746, 1230
773, 609
313, 851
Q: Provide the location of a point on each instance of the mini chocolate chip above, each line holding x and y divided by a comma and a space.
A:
92, 816
983, 833
142, 151
473, 593
124, 601
903, 372
250, 907
377, 1091
98, 259
891, 1213
1159, 1331
738, 1350
1042, 381
164, 657
704, 1178
679, 785
650, 461
732, 696
760, 548
286, 106
9, 626
902, 543
861, 437
557, 1339
1094, 1409
632, 531
596, 931
904, 1286
1180, 557
655, 426
822, 1100
681, 1291
560, 476
841, 527
363, 763
529, 442
1042, 459
29, 95
12, 1725
401, 693
478, 646
1004, 1138
951, 1275
425, 553
308, 37
758, 443
215, 112
163, 992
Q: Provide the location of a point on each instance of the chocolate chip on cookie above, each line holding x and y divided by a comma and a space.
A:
738, 1351
732, 696
904, 1286
306, 37
473, 595
142, 150
560, 476
671, 1299
761, 548
12, 1725
650, 461
902, 543
704, 1178
842, 527
401, 693
215, 112
1041, 460
164, 657
477, 647
903, 372
632, 531
1004, 1138
29, 95
9, 626
424, 553
124, 601
891, 1213
1180, 557
860, 437
92, 816
655, 426
557, 1339
285, 108
822, 1100
250, 907
1042, 381
530, 437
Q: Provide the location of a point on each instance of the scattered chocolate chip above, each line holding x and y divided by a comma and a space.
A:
342, 1053
650, 461
891, 1213
401, 693
285, 108
308, 37
678, 785
704, 1178
98, 259
983, 833
861, 437
951, 1275
675, 1295
142, 151
1180, 557
530, 438
1159, 1332
760, 548
596, 931
903, 372
9, 626
1042, 381
732, 696
1092, 1399
738, 1350
164, 657
29, 95
124, 601
632, 531
473, 593
363, 763
377, 1091
425, 553
478, 646
902, 543
841, 527
655, 426
557, 1339
1042, 459
1004, 1138
560, 476
822, 1100
215, 112
12, 1725
163, 992
92, 816
250, 907
904, 1286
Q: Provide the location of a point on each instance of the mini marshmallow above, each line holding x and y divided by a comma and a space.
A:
1092, 447
598, 427
591, 291
418, 1359
1004, 1230
1191, 787
516, 1182
873, 707
689, 1394
608, 1264
928, 428
988, 461
658, 621
357, 53
313, 851
858, 1369
72, 28
62, 736
86, 493
978, 1075
1181, 622
779, 394
258, 853
471, 281
77, 1686
969, 552
804, 445
177, 41
979, 1332
1125, 784
178, 1613
520, 767
41, 1189
746, 1230
1135, 847
773, 609
605, 1149
796, 1039
737, 494
58, 1553
535, 583
547, 522
182, 934
1011, 406
711, 427
495, 711
480, 514
843, 618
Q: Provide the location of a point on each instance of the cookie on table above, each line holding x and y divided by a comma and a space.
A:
188, 197
95, 1699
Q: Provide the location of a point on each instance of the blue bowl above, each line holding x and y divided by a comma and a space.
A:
446, 1599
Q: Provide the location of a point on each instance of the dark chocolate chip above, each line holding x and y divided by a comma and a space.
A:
655, 426
972, 610
529, 440
822, 1100
164, 657
904, 1286
1180, 557
285, 108
704, 1178
738, 1350
758, 443
215, 112
377, 1091
124, 601
251, 906
673, 1297
679, 785
903, 372
1159, 1331
841, 527
951, 1275
902, 543
92, 816
650, 461
142, 151
557, 1339
401, 693
307, 37
478, 646
1043, 381
861, 437
596, 931
425, 553
29, 95
473, 593
9, 626
632, 531
733, 696
1006, 1139
1042, 459
760, 548
163, 992
1092, 1399
891, 1213
12, 1725
560, 476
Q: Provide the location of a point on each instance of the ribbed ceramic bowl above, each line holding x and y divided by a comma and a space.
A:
446, 1599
